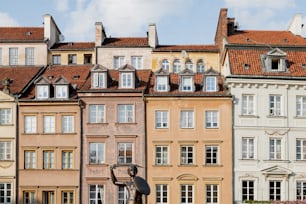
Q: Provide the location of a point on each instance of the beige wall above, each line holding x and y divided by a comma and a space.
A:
64, 56
197, 174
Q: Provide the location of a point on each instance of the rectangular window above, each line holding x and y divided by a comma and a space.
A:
161, 155
5, 150
29, 55
67, 197
29, 159
28, 197
126, 80
96, 153
300, 190
211, 84
96, 194
48, 197
13, 58
42, 91
187, 117
96, 113
119, 61
212, 119
122, 195
67, 124
67, 159
187, 194
49, 124
87, 58
29, 124
247, 190
161, 119
301, 149
125, 153
49, 159
125, 113
247, 148
186, 83
274, 190
247, 105
275, 105
275, 149
301, 105
72, 58
161, 196
187, 155
61, 91
5, 116
211, 155
161, 83
6, 193
56, 59
212, 194
98, 80
137, 62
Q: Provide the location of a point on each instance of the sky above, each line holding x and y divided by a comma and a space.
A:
178, 21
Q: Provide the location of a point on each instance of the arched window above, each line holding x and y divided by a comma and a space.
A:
165, 64
176, 66
189, 64
200, 66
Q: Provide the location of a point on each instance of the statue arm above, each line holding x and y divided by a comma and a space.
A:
113, 177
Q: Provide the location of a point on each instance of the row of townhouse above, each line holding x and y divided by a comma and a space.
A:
205, 123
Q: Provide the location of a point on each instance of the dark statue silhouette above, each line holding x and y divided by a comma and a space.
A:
136, 186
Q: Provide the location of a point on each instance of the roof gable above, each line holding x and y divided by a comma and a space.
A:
60, 80
126, 68
99, 68
42, 80
276, 52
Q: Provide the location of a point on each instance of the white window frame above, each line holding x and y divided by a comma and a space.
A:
125, 113
126, 80
161, 155
161, 119
30, 159
67, 159
212, 193
137, 62
189, 65
29, 55
118, 61
97, 193
48, 159
211, 84
248, 104
247, 187
300, 149
5, 116
248, 148
61, 91
275, 105
6, 190
49, 123
211, 119
123, 156
30, 124
300, 190
29, 197
187, 83
97, 113
98, 80
96, 153
6, 150
161, 83
275, 148
122, 195
72, 59
67, 123
13, 56
48, 197
56, 59
165, 64
187, 119
212, 155
187, 155
185, 192
67, 197
177, 67
200, 66
301, 106
161, 193
277, 194
42, 91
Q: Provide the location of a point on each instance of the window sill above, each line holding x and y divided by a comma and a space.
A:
94, 164
161, 128
277, 160
276, 116
162, 165
212, 165
97, 123
248, 116
300, 117
187, 165
132, 123
187, 127
33, 133
212, 128
9, 124
68, 133
249, 160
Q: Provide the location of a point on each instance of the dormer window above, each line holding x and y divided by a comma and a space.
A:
126, 80
161, 83
275, 60
61, 91
42, 91
176, 66
189, 64
98, 80
127, 77
165, 64
187, 82
211, 84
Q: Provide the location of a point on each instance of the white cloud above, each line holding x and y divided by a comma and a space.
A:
260, 4
6, 20
62, 5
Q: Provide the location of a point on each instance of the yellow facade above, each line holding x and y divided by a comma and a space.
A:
79, 56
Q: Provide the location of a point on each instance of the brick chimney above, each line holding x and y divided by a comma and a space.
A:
221, 31
100, 34
152, 35
296, 25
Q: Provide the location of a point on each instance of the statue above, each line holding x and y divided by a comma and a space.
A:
136, 187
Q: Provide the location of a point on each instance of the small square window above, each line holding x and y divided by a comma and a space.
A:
61, 91
72, 58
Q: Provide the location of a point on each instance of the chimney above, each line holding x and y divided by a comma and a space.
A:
296, 25
222, 27
51, 31
152, 35
100, 34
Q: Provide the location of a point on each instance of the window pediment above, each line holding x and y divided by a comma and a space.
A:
276, 171
99, 77
274, 61
187, 80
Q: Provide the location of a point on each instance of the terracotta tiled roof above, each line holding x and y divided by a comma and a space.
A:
126, 42
19, 77
21, 34
74, 46
251, 37
239, 57
178, 48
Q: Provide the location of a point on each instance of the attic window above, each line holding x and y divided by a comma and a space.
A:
76, 76
246, 66
28, 33
304, 66
275, 60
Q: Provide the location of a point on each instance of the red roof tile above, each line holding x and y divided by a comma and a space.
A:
178, 48
21, 34
74, 46
126, 42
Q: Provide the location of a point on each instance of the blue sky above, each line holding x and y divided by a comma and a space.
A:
178, 21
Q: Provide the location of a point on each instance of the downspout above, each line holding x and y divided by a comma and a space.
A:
81, 151
17, 149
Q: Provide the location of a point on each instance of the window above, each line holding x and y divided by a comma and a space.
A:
29, 159
187, 155
29, 124
72, 58
29, 55
6, 194
87, 58
275, 148
186, 194
211, 155
301, 149
56, 59
301, 105
176, 66
187, 83
42, 91
247, 105
5, 150
96, 113
49, 124
126, 80
48, 159
212, 194
61, 91
189, 65
119, 61
161, 196
211, 84
67, 159
67, 124
122, 195
96, 194
67, 197
98, 80
165, 65
274, 190
137, 62
48, 197
161, 83
5, 116
200, 66
247, 148
161, 119
125, 113
0, 56
96, 153
187, 119
212, 118
13, 58
247, 190
29, 197
125, 153
161, 155
275, 105
300, 190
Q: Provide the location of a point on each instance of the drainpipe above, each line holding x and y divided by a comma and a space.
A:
17, 150
81, 151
